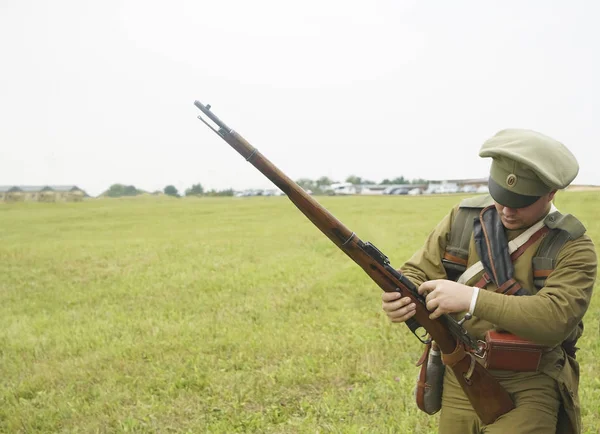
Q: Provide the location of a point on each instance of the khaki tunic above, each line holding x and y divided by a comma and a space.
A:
547, 317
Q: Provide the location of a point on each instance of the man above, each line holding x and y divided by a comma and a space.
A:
527, 169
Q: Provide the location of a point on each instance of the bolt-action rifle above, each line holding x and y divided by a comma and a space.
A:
488, 398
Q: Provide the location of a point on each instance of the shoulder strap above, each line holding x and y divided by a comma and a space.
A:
479, 202
562, 229
565, 222
457, 248
544, 260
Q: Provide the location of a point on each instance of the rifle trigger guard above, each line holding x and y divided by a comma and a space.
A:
419, 331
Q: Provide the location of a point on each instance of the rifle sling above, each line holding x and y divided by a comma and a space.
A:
456, 356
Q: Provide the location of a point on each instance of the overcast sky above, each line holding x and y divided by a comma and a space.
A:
100, 92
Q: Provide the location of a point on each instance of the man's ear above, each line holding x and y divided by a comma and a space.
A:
551, 194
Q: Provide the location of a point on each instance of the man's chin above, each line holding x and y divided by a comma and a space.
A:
512, 224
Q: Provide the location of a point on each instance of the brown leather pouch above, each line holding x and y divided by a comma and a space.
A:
509, 352
422, 378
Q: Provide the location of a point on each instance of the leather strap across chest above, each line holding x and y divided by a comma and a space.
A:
516, 248
511, 286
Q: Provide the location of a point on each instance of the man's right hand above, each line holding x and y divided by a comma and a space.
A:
397, 309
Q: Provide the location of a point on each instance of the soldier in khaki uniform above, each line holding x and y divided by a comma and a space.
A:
527, 169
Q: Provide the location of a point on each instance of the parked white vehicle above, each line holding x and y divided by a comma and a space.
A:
442, 187
342, 188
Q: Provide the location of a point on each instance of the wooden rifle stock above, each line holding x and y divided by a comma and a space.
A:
488, 398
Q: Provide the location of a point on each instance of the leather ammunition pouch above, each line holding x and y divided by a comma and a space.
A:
506, 351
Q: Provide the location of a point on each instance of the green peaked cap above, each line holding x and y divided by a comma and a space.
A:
526, 165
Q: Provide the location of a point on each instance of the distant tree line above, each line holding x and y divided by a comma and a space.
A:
317, 186
121, 190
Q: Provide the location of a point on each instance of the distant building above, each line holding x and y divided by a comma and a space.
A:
476, 185
43, 193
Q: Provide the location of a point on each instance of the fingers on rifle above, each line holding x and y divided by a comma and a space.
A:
394, 304
390, 296
429, 286
431, 304
436, 314
426, 287
432, 296
437, 311
397, 310
403, 318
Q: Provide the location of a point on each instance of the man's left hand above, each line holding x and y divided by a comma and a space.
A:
446, 296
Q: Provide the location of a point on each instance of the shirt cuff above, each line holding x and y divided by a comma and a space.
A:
473, 300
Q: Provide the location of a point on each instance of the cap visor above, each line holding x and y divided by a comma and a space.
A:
508, 198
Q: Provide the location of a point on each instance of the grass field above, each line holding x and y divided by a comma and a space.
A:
217, 315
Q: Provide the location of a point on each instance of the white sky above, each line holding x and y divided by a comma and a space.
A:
100, 92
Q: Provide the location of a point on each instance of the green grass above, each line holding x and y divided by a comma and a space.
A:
217, 315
